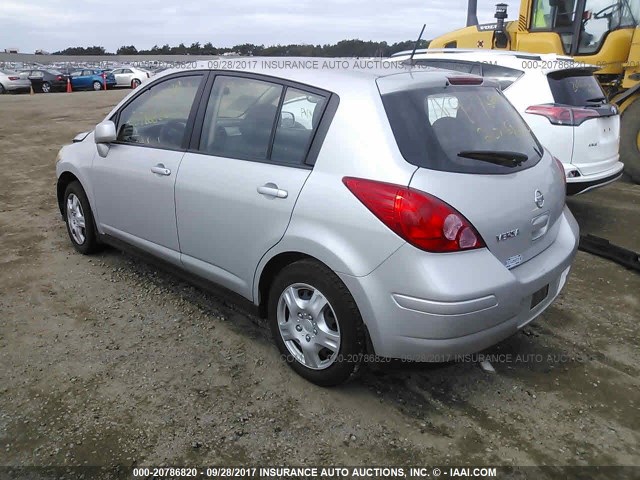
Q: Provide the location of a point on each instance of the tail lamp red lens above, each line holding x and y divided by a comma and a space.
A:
561, 115
421, 219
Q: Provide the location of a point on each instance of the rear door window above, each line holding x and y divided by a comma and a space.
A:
254, 119
575, 87
240, 118
461, 129
299, 117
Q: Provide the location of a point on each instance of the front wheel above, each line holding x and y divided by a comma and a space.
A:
97, 86
630, 140
315, 323
79, 219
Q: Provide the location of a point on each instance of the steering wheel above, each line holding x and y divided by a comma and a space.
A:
608, 11
172, 132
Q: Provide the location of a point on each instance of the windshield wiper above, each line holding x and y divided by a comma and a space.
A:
504, 158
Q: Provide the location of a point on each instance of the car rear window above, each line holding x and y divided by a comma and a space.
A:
434, 126
575, 87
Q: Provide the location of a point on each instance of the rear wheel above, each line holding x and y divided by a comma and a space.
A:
46, 88
135, 83
2, 90
315, 323
97, 86
630, 140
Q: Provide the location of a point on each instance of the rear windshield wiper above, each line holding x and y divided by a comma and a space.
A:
506, 159
598, 100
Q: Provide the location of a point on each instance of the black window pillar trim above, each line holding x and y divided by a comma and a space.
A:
276, 121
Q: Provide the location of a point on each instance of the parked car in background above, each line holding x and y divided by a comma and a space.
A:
46, 81
560, 100
440, 235
68, 70
11, 81
130, 76
91, 79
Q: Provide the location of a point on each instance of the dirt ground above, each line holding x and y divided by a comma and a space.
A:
106, 360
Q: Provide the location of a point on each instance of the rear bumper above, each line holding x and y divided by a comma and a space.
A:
16, 88
434, 307
585, 183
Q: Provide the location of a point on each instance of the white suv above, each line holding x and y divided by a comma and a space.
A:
561, 101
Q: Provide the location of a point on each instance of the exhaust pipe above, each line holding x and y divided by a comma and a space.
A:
472, 13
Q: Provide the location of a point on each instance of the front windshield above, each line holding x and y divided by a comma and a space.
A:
602, 16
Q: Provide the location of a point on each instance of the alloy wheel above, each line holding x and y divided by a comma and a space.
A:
75, 219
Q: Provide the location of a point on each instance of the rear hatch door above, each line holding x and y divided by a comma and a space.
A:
596, 123
477, 154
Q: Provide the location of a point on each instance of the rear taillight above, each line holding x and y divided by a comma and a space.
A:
421, 219
147, 74
14, 78
562, 115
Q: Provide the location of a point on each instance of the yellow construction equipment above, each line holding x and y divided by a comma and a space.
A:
605, 33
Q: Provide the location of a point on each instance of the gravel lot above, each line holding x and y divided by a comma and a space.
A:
107, 360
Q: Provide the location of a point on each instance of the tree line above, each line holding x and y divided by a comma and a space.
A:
344, 48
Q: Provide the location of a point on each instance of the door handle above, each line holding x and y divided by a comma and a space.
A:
160, 170
272, 190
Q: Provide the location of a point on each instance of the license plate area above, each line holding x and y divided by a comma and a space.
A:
539, 296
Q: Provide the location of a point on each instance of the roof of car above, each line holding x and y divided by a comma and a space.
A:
334, 74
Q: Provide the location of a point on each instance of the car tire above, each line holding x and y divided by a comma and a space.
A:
2, 89
79, 220
97, 86
135, 83
630, 140
46, 87
334, 321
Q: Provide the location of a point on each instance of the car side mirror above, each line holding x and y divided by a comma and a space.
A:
287, 120
104, 134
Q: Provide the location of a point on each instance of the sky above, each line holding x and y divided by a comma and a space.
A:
42, 24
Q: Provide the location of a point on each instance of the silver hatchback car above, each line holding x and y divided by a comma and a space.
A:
406, 214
